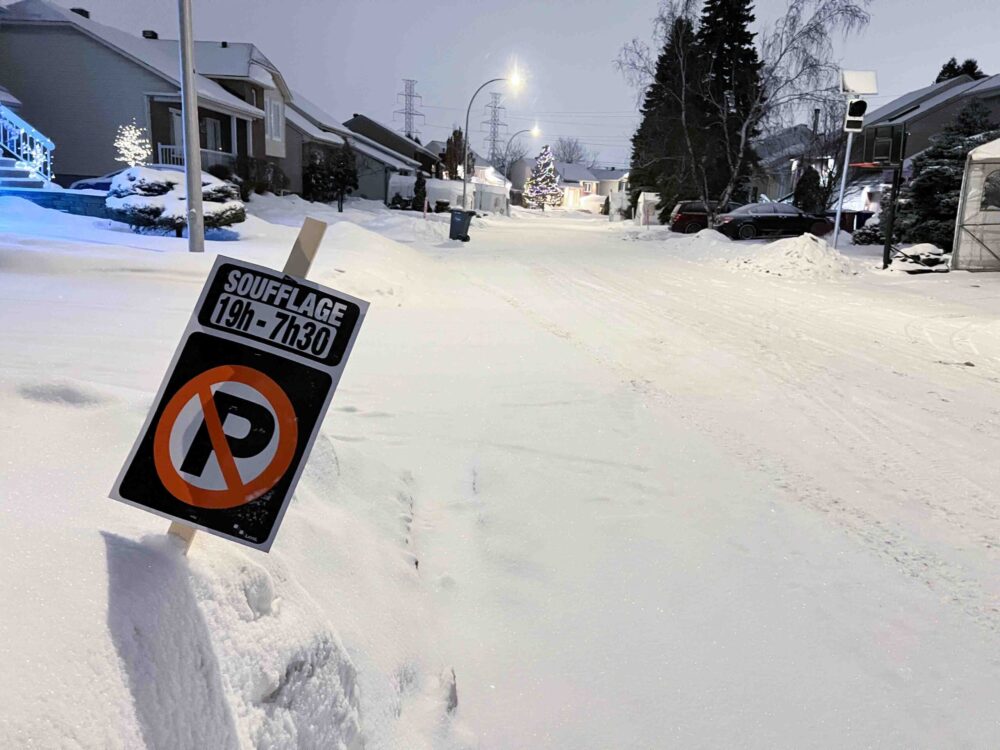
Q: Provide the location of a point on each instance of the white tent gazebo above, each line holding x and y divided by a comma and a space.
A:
977, 228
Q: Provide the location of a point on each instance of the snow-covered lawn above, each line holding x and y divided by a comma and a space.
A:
632, 489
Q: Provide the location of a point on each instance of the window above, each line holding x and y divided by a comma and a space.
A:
274, 122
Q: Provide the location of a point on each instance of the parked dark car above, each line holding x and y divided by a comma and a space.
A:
690, 216
771, 220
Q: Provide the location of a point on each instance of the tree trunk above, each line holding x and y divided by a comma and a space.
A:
340, 203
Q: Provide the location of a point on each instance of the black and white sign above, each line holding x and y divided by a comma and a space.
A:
240, 407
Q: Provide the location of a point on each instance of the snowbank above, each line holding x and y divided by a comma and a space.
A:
804, 257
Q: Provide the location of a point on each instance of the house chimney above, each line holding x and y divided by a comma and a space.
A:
81, 12
225, 45
149, 34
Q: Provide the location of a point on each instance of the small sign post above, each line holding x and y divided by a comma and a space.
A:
241, 404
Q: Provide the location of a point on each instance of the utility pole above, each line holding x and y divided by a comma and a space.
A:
192, 135
411, 100
495, 124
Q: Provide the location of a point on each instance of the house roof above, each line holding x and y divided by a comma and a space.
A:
300, 122
234, 60
436, 147
603, 174
397, 140
570, 172
324, 121
396, 161
921, 100
156, 58
317, 114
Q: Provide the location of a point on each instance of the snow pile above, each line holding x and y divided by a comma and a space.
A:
146, 198
804, 257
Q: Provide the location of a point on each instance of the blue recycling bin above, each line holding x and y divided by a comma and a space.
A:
461, 220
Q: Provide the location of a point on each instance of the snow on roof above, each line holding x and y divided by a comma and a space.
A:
234, 60
158, 58
324, 121
608, 174
570, 172
987, 152
396, 161
317, 114
390, 132
299, 121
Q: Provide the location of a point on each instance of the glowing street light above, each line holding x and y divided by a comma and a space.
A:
515, 80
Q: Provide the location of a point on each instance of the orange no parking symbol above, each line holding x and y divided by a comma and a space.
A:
202, 422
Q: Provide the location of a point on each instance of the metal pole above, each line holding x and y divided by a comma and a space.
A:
843, 184
465, 139
891, 222
192, 137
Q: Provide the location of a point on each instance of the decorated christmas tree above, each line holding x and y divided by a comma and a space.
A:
132, 144
541, 188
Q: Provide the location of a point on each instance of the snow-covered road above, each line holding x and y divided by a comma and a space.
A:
635, 492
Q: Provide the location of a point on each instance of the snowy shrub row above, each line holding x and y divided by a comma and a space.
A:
156, 199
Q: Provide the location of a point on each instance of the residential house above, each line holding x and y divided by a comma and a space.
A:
924, 113
782, 158
395, 141
246, 73
78, 80
610, 180
376, 162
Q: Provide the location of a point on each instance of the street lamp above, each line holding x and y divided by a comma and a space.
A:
515, 80
535, 132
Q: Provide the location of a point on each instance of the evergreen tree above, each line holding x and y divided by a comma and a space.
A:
317, 178
809, 193
952, 69
928, 204
541, 188
453, 150
660, 161
730, 70
344, 173
419, 192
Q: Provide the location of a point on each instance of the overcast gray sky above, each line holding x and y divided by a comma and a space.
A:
352, 56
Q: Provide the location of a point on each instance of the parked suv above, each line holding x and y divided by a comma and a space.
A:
770, 219
690, 216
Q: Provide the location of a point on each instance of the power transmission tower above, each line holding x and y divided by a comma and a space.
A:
495, 125
411, 100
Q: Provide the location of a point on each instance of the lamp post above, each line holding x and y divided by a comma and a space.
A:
515, 80
535, 132
192, 140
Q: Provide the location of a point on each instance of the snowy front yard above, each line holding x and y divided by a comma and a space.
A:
610, 487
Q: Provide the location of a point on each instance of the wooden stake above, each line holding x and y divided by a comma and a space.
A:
298, 264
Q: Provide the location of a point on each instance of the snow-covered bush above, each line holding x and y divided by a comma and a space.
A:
870, 233
156, 199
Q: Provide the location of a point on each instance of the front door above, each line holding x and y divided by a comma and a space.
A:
213, 135
176, 128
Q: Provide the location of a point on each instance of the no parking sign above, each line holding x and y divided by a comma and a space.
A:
232, 425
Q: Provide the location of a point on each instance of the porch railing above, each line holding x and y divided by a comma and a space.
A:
31, 149
170, 154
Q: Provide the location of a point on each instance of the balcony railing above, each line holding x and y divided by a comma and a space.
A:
169, 154
31, 149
